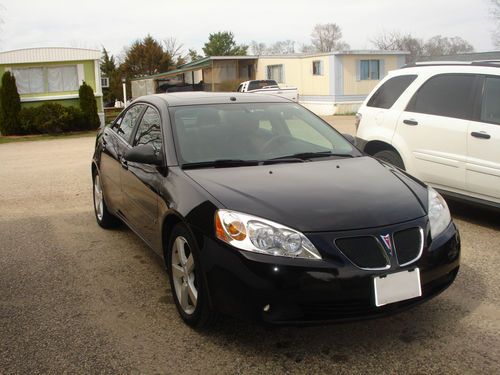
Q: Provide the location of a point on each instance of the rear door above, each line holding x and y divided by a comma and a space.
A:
483, 142
434, 127
140, 182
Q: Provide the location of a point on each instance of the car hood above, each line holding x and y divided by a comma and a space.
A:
316, 196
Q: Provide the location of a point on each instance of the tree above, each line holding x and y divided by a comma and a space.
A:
109, 70
175, 49
327, 38
258, 48
146, 57
10, 105
439, 45
397, 41
222, 43
88, 105
282, 47
194, 55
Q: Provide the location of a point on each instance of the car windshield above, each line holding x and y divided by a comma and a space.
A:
231, 134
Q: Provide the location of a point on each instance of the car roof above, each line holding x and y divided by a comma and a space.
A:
202, 97
440, 67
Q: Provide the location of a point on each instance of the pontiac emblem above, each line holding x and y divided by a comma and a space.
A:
386, 239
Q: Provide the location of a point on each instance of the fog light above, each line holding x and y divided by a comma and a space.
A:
266, 308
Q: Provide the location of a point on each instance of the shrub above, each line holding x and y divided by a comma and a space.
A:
51, 118
88, 106
10, 105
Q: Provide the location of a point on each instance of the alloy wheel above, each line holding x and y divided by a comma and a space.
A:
98, 198
183, 275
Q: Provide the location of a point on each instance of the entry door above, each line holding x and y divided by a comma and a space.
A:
434, 127
483, 144
140, 182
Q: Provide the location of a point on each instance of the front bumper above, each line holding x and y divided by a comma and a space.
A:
285, 290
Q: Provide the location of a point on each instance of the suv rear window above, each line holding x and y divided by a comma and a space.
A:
449, 95
390, 91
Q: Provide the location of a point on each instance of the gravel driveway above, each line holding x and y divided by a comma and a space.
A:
78, 299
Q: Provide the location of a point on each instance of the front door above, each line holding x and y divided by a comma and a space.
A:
140, 182
483, 144
434, 126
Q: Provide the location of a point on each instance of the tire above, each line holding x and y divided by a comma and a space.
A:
187, 283
391, 157
103, 217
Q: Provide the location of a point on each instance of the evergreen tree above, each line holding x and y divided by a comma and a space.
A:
88, 105
10, 105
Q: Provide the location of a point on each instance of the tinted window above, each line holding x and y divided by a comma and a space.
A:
390, 91
490, 109
149, 131
448, 95
127, 123
251, 131
255, 85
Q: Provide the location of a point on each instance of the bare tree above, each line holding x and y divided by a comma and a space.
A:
397, 41
439, 45
327, 38
307, 48
282, 47
174, 49
258, 48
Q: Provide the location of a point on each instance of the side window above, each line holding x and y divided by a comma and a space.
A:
390, 91
490, 108
127, 123
149, 131
449, 95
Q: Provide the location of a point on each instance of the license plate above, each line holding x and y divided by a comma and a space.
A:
396, 287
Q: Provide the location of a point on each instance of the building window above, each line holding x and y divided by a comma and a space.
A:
62, 78
317, 68
105, 82
43, 80
275, 72
369, 69
29, 80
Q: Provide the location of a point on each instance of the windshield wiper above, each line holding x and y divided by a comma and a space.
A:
220, 163
310, 155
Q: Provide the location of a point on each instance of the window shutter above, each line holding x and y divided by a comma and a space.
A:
381, 68
358, 70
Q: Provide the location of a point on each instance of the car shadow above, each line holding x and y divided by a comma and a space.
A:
441, 316
487, 217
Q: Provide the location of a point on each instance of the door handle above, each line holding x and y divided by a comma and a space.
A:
124, 163
410, 122
481, 135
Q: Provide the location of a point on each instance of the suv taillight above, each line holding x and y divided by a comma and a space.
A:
358, 120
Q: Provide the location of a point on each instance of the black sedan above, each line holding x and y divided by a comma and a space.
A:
261, 210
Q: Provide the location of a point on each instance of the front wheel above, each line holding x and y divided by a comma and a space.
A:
390, 157
186, 280
104, 218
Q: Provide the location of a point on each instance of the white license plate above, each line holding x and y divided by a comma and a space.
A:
396, 287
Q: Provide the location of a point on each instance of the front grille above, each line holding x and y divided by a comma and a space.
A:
408, 244
364, 252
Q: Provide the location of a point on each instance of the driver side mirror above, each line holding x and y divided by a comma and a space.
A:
145, 154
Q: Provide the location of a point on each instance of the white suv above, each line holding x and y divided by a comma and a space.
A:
441, 123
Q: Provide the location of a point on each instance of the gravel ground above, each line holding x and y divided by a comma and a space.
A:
78, 299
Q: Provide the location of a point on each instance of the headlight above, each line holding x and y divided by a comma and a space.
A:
439, 214
252, 233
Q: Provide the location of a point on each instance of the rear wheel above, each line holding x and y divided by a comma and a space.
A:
186, 280
391, 157
104, 218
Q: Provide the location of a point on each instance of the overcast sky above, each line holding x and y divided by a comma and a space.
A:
115, 24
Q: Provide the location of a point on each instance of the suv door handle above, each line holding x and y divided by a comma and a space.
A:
481, 135
410, 122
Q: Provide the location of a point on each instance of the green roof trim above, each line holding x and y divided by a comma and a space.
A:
201, 63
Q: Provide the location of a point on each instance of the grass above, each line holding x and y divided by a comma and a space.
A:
45, 137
